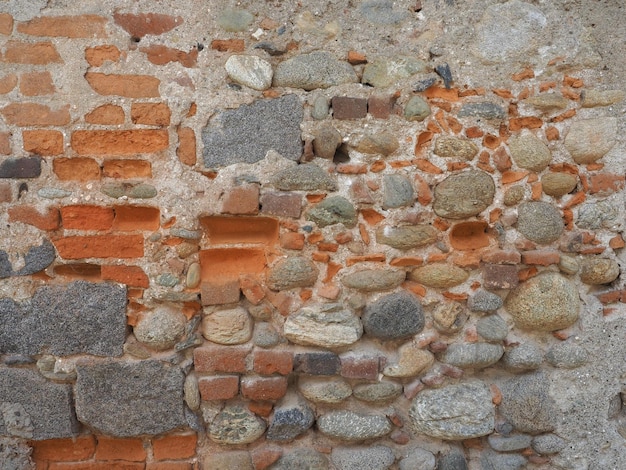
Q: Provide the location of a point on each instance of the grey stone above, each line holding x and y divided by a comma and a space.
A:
265, 335
327, 329
416, 109
291, 272
599, 271
593, 98
398, 191
558, 184
525, 356
234, 19
377, 392
80, 317
372, 280
449, 317
464, 194
407, 236
141, 191
315, 70
527, 405
306, 177
455, 147
37, 258
125, 399
249, 70
539, 221
333, 210
321, 108
591, 139
567, 355
546, 302
6, 269
510, 443
452, 461
167, 280
229, 326
528, 152
484, 301
490, 460
484, 110
191, 392
385, 72
15, 454
418, 458
326, 141
454, 412
439, 275
394, 316
548, 101
161, 328
186, 233
513, 195
289, 421
34, 408
362, 458
568, 265
547, 444
472, 355
114, 190
324, 390
380, 143
236, 425
350, 426
238, 459
302, 459
382, 12
53, 193
492, 328
594, 215
246, 134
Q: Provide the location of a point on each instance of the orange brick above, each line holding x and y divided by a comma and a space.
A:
502, 93
83, 26
267, 362
62, 450
125, 142
87, 217
252, 288
132, 276
541, 257
110, 448
228, 45
552, 133
129, 218
220, 291
501, 257
523, 75
351, 168
216, 358
263, 457
292, 241
98, 55
127, 169
264, 388
218, 387
617, 242
221, 263
186, 150
231, 230
427, 167
528, 122
356, 58
33, 114
372, 257
7, 83
169, 466
130, 86
106, 114
328, 246
6, 193
49, 220
331, 270
77, 169
36, 84
606, 183
377, 166
371, 216
161, 55
139, 25
100, 246
153, 114
513, 176
119, 465
573, 82
6, 24
79, 271
442, 93
38, 53
42, 142
406, 261
175, 447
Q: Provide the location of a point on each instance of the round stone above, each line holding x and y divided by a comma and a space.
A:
439, 275
327, 329
418, 458
292, 272
492, 328
455, 147
546, 302
558, 184
514, 195
416, 109
324, 390
397, 191
484, 301
265, 335
333, 210
160, 329
540, 222
412, 360
372, 280
305, 177
386, 71
599, 214
362, 458
472, 355
191, 392
529, 152
350, 426
525, 356
591, 139
233, 19
394, 316
568, 265
231, 326
250, 71
510, 443
464, 194
599, 271
593, 98
236, 425
548, 101
193, 276
407, 236
547, 444
377, 392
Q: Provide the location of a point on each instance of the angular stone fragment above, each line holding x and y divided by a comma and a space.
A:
292, 272
593, 98
289, 421
529, 152
235, 425
125, 399
464, 194
548, 101
527, 405
306, 177
372, 280
326, 140
333, 210
234, 19
394, 316
398, 191
455, 147
362, 458
160, 329
350, 426
327, 329
594, 215
449, 317
324, 390
407, 236
509, 444
472, 355
303, 458
246, 134
599, 271
385, 72
539, 221
483, 110
412, 361
249, 70
417, 109
439, 275
231, 326
558, 184
418, 458
591, 139
513, 195
345, 107
315, 70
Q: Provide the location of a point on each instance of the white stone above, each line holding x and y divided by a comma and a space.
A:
233, 326
311, 327
251, 71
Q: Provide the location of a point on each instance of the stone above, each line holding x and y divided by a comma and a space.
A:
234, 19
230, 326
379, 143
191, 392
484, 110
439, 275
530, 153
281, 204
324, 390
317, 363
567, 355
250, 71
289, 421
455, 147
239, 459
490, 460
53, 193
305, 177
416, 109
510, 443
304, 458
333, 210
394, 316
384, 72
499, 276
317, 69
326, 141
589, 140
547, 444
192, 280
599, 271
235, 425
484, 301
48, 321
547, 101
382, 12
292, 272
141, 191
372, 280
412, 361
558, 184
472, 355
345, 107
320, 108
362, 458
265, 335
594, 215
161, 328
167, 280
418, 458
514, 195
246, 134
354, 427
452, 461
527, 405
454, 412
37, 258
330, 328
539, 221
34, 408
492, 328
380, 392
126, 399
546, 302
464, 194
15, 454
406, 237
449, 317
594, 98
525, 356
20, 168
568, 265
397, 191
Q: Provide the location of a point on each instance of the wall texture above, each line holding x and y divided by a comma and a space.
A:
320, 235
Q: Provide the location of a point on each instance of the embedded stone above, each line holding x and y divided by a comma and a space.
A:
266, 336
160, 329
546, 302
397, 191
346, 107
333, 210
472, 355
484, 301
412, 361
320, 108
239, 459
599, 271
234, 19
527, 405
193, 278
302, 459
539, 221
418, 458
381, 143
324, 390
326, 141
191, 392
558, 184
439, 275
528, 152
372, 280
379, 392
305, 177
455, 147
315, 70
484, 110
15, 454
407, 236
595, 215
449, 317
289, 421
490, 460
292, 272
568, 265
250, 71
567, 355
547, 444
417, 109
140, 191
231, 326
394, 316
594, 98
385, 72
362, 458
514, 195
235, 425
37, 258
350, 426
525, 356
591, 139
548, 101
492, 328
382, 12
331, 328
464, 194
509, 443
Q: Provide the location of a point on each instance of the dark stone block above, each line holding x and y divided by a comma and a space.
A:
349, 108
37, 258
317, 363
500, 276
26, 167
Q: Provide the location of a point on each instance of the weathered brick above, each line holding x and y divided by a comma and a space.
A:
541, 257
87, 217
130, 86
161, 55
98, 55
127, 169
360, 366
499, 276
218, 387
128, 218
5, 143
111, 448
281, 204
241, 200
6, 193
267, 362
263, 457
186, 150
48, 220
120, 465
231, 230
381, 106
65, 450
175, 447
6, 24
317, 363
132, 276
169, 466
606, 183
264, 388
82, 26
100, 246
220, 291
226, 263
27, 167
292, 241
501, 257
83, 271
139, 25
214, 358
349, 108
38, 53
106, 114
7, 83
228, 45
127, 142
76, 169
43, 142
252, 288
34, 114
152, 114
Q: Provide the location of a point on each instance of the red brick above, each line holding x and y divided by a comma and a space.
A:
276, 361
42, 142
83, 26
233, 230
220, 291
36, 84
263, 457
62, 450
282, 204
169, 466
132, 276
5, 143
152, 114
6, 193
139, 25
349, 108
501, 257
241, 200
38, 53
33, 114
87, 217
110, 448
359, 366
49, 220
161, 55
76, 169
124, 142
106, 114
381, 107
263, 388
7, 83
218, 387
6, 24
214, 358
186, 150
541, 257
128, 218
606, 183
127, 169
98, 55
175, 447
292, 241
100, 246
228, 45
119, 465
130, 86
